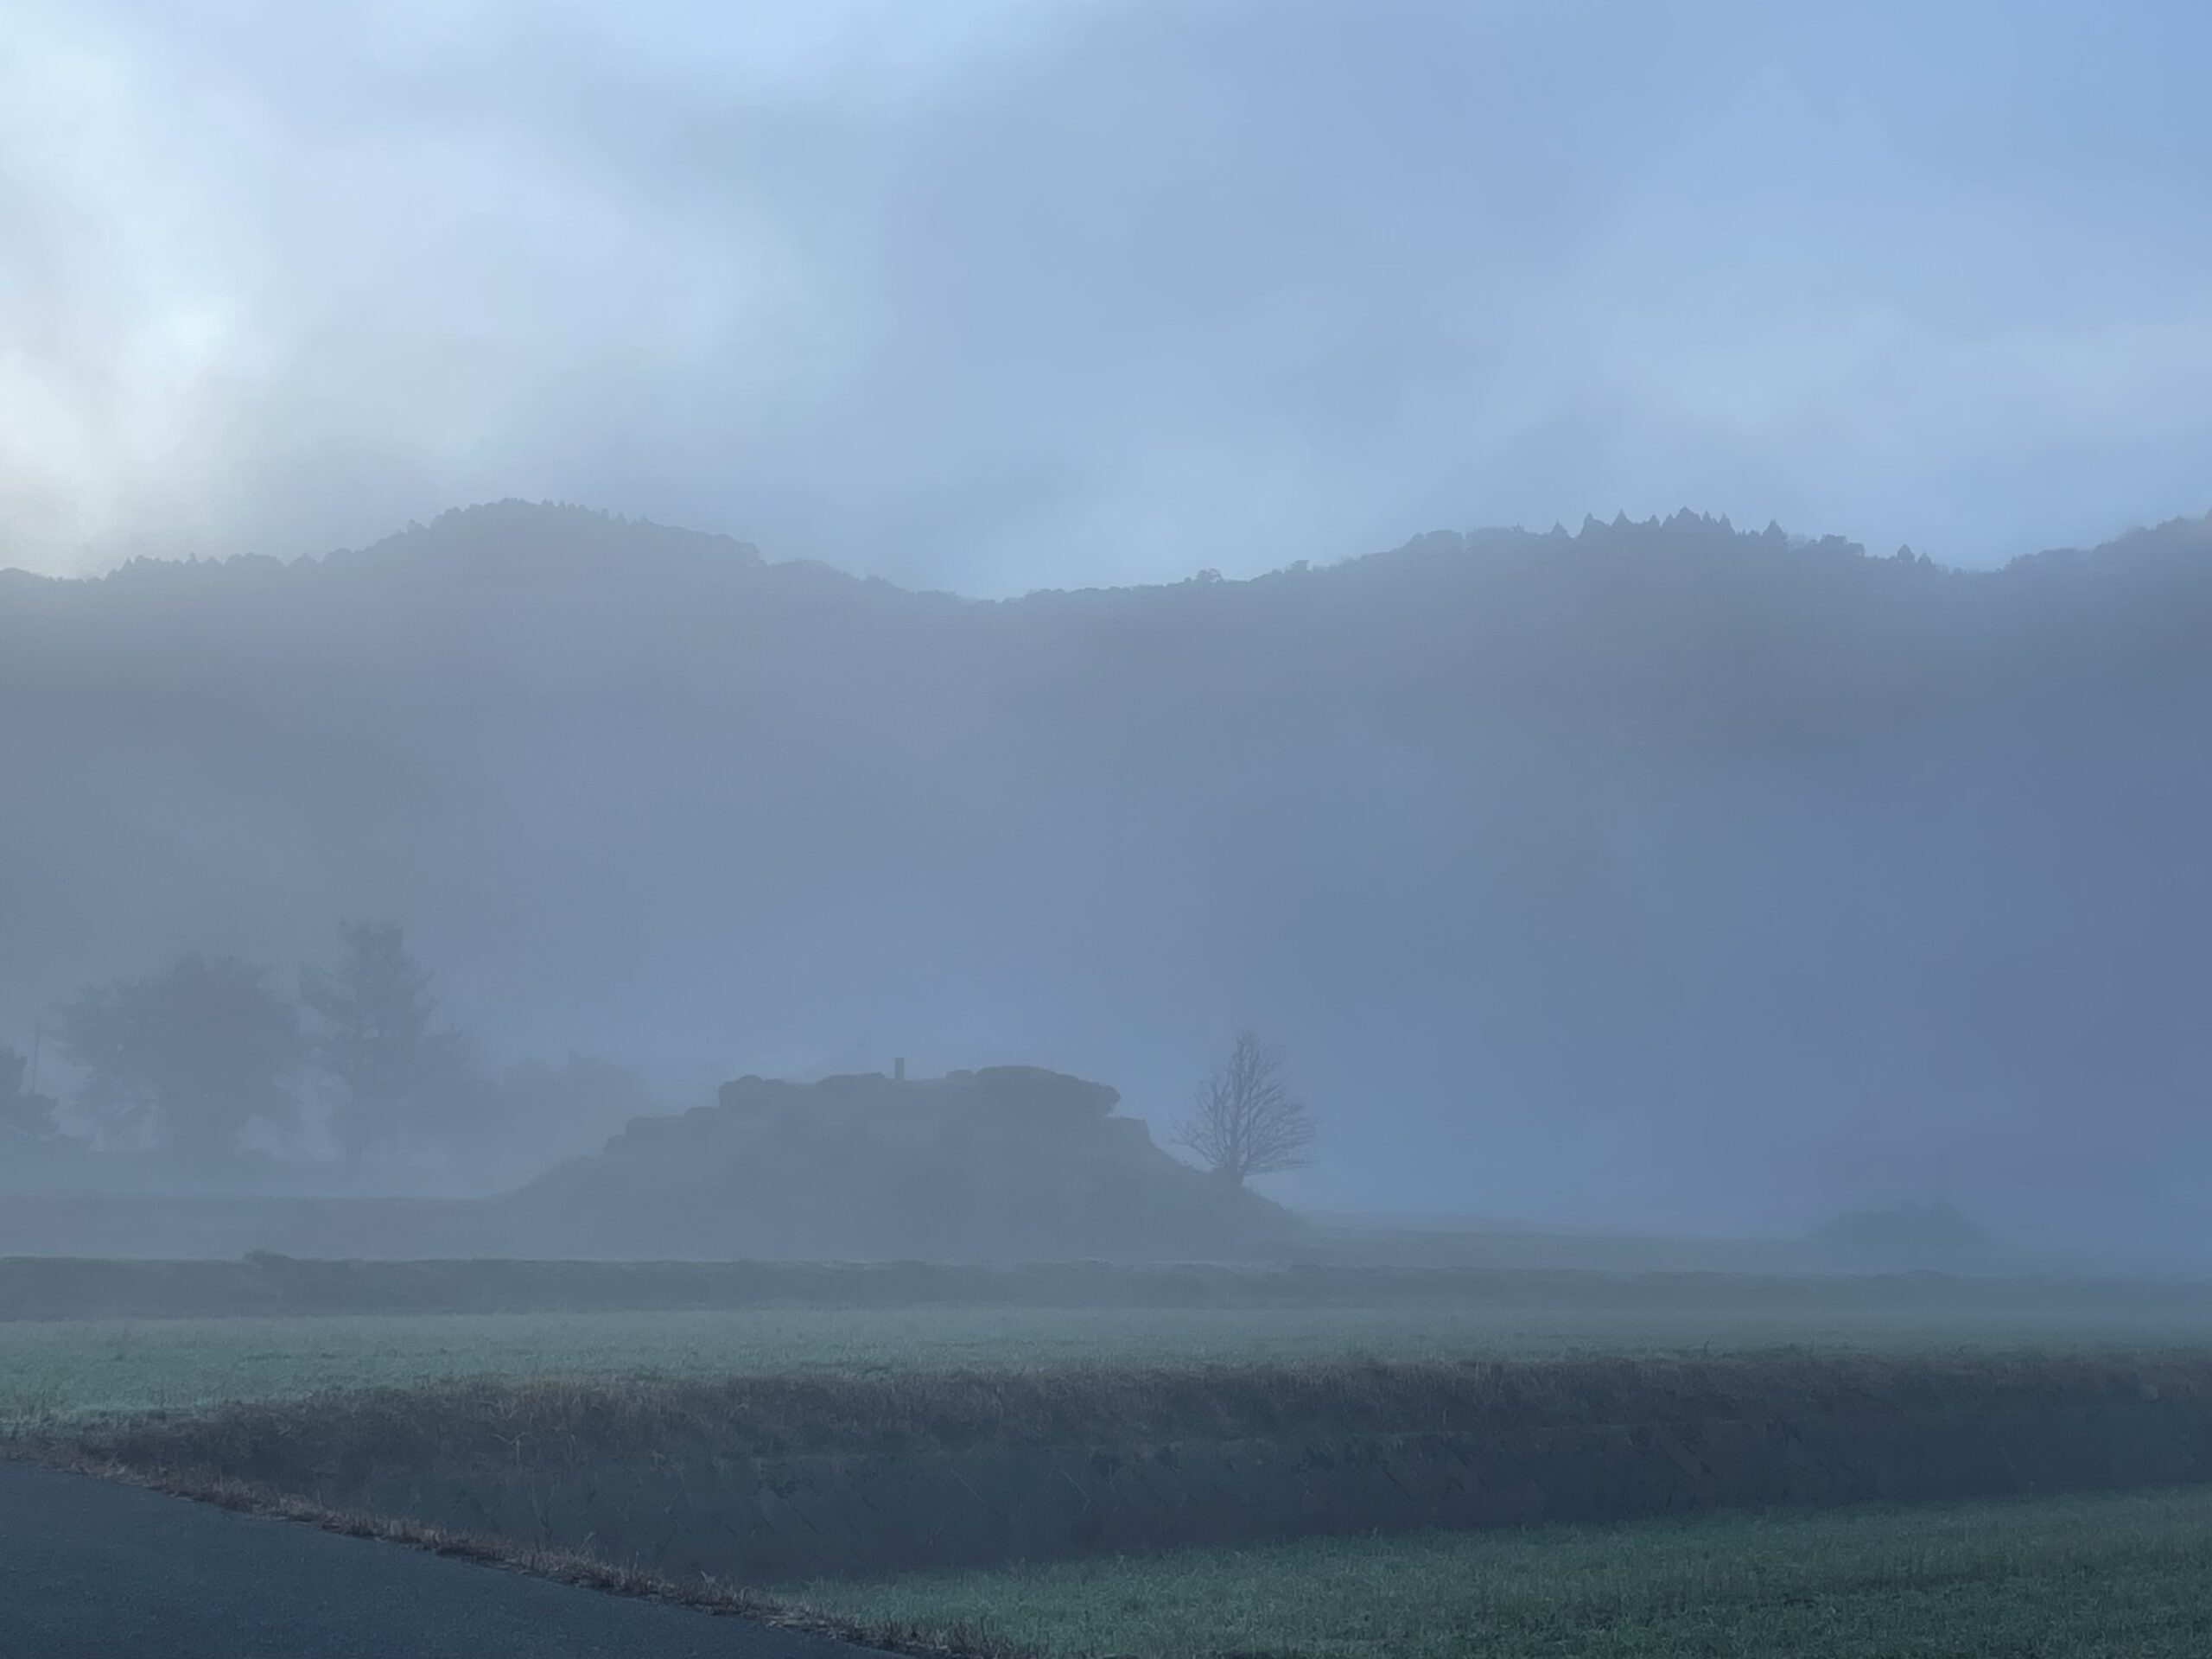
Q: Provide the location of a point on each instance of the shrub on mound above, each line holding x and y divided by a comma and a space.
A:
1005, 1163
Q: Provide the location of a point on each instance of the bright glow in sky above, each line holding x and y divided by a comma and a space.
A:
996, 295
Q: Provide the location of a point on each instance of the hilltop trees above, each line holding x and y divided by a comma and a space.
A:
1246, 1121
399, 1074
190, 1056
1779, 821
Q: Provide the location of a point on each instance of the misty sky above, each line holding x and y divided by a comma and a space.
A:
995, 296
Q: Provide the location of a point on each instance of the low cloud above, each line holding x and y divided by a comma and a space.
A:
994, 296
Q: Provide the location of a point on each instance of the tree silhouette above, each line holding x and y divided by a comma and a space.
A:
1246, 1121
398, 1071
193, 1054
23, 1116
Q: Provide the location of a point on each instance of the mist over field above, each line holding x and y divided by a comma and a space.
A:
1039, 828
1664, 875
1071, 368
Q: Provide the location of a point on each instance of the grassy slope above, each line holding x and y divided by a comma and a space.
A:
2104, 1578
2070, 1578
75, 1370
552, 1426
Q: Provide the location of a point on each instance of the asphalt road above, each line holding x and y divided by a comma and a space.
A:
102, 1571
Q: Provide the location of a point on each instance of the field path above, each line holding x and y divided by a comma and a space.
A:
90, 1568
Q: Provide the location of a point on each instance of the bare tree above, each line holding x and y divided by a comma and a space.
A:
1246, 1121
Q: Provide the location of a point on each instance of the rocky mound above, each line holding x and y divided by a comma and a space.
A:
1006, 1163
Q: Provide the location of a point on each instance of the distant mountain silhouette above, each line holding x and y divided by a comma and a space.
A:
1661, 873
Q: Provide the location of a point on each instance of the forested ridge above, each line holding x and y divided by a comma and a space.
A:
1783, 874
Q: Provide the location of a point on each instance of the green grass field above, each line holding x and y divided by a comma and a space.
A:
63, 1371
2106, 1577
2060, 1579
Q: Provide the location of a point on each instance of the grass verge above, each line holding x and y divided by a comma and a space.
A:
80, 1370
2123, 1577
271, 1285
